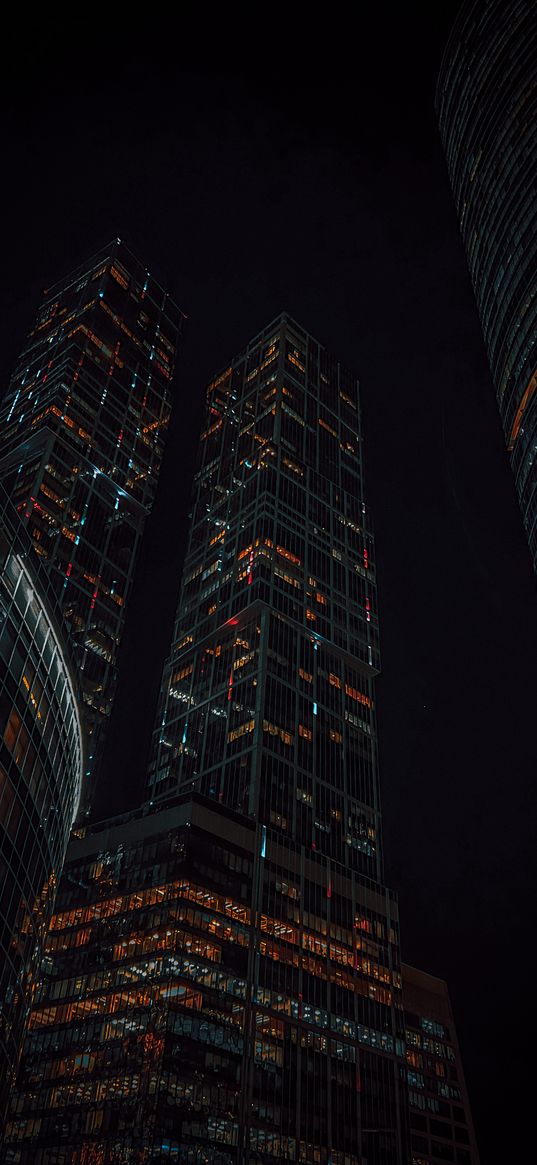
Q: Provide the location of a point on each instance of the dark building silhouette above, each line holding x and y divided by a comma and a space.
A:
441, 1126
82, 431
222, 981
41, 767
487, 108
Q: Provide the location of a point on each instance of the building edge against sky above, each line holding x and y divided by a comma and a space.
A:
82, 432
486, 103
41, 769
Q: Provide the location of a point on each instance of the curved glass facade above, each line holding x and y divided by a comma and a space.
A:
487, 107
41, 757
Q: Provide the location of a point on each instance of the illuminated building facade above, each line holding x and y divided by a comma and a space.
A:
41, 759
441, 1127
178, 1021
487, 107
82, 428
222, 982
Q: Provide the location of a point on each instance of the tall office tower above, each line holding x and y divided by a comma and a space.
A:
222, 981
441, 1126
82, 433
487, 107
41, 762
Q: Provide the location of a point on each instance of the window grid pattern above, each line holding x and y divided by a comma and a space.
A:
441, 1126
186, 1015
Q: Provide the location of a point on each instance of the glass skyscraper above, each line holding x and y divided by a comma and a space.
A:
487, 108
82, 431
41, 766
222, 981
276, 640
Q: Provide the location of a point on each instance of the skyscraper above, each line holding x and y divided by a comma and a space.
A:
82, 429
41, 765
441, 1126
276, 639
487, 107
222, 981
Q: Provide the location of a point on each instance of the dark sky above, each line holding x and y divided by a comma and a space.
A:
287, 174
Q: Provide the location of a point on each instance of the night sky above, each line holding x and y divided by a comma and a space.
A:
283, 174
